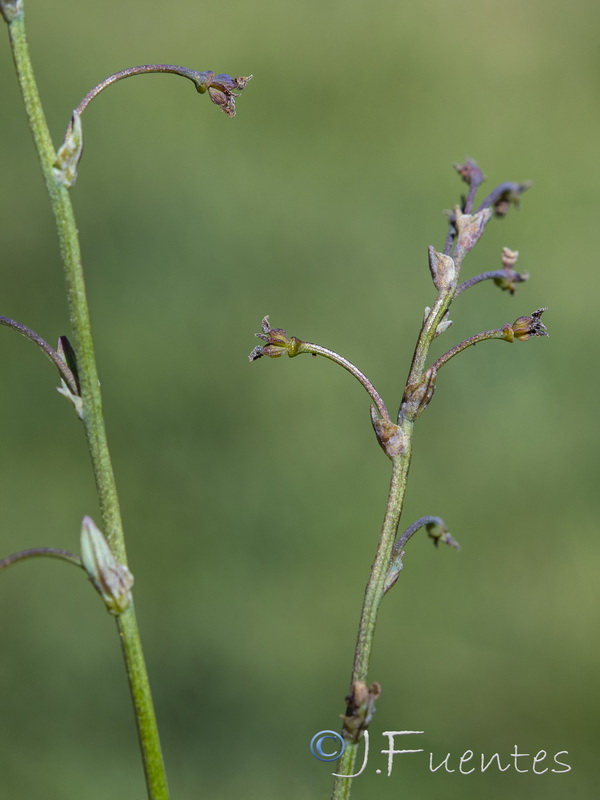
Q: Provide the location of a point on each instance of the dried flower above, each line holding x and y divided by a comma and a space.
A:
278, 343
470, 172
221, 89
360, 709
526, 327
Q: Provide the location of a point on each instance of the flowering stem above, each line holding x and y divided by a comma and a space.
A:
92, 406
317, 350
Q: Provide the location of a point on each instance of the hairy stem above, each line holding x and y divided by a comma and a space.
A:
317, 350
92, 407
40, 552
373, 596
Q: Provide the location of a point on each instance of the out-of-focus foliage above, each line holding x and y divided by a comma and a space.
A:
252, 494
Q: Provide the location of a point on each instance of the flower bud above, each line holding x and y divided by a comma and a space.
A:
443, 270
69, 154
509, 257
470, 227
112, 580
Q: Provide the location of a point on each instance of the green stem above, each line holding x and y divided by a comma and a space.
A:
92, 406
373, 596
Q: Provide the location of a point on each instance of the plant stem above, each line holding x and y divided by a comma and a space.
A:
376, 586
373, 596
40, 552
92, 407
497, 333
63, 369
317, 350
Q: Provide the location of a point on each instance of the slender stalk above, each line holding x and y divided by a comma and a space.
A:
92, 407
197, 78
64, 370
373, 596
498, 333
40, 552
317, 350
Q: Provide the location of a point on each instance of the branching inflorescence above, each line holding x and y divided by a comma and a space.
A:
466, 226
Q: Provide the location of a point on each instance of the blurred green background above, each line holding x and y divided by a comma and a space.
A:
252, 494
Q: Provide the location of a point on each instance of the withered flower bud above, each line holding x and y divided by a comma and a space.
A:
470, 172
470, 227
360, 709
509, 257
511, 277
278, 343
443, 270
526, 327
439, 533
389, 435
510, 196
221, 90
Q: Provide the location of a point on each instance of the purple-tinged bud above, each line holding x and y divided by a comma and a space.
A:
470, 172
439, 533
221, 89
278, 343
112, 580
